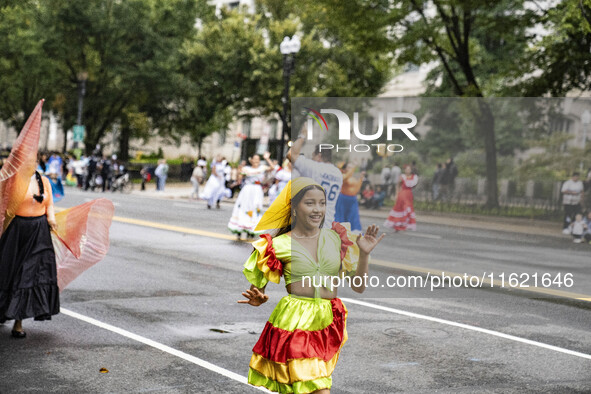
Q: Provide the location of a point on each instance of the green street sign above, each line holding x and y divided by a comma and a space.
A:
78, 133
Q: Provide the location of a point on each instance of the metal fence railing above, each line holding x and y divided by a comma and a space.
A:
538, 195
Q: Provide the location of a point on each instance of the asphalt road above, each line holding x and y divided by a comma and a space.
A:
159, 313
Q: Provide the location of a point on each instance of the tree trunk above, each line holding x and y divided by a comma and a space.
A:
124, 143
487, 125
199, 143
89, 144
65, 147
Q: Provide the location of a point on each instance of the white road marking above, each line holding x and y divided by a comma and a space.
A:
241, 379
159, 346
469, 327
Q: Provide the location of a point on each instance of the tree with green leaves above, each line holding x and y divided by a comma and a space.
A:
477, 46
126, 49
236, 59
26, 73
559, 61
349, 59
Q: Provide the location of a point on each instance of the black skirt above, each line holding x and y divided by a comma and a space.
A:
28, 274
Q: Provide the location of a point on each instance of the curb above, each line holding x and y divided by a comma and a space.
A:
511, 225
527, 226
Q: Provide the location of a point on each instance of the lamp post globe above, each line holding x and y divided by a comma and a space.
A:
295, 44
284, 46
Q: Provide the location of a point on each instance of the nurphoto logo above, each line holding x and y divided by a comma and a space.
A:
395, 122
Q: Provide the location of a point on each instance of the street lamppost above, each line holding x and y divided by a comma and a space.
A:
289, 47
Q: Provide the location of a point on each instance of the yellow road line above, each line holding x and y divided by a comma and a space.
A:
389, 264
169, 227
179, 229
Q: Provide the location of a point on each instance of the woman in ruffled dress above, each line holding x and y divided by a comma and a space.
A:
28, 273
36, 265
215, 185
301, 342
402, 216
248, 208
281, 178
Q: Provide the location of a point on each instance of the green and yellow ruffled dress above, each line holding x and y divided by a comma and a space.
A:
300, 344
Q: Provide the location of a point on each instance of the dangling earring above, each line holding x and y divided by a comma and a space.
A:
294, 214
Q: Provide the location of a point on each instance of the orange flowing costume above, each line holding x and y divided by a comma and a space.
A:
82, 238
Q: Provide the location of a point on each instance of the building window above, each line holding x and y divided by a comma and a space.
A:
560, 124
233, 5
222, 136
246, 128
274, 130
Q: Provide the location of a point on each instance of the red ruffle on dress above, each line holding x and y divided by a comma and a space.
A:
301, 342
402, 216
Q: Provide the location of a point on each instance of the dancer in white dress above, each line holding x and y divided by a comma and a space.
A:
282, 178
248, 208
214, 188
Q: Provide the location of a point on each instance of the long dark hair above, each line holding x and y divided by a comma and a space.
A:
295, 200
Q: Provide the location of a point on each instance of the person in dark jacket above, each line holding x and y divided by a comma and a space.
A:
448, 180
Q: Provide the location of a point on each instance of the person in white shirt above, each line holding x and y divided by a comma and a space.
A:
214, 188
248, 208
572, 195
577, 228
395, 173
79, 166
281, 179
197, 179
321, 170
162, 173
227, 172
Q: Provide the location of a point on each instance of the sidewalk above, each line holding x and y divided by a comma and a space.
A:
482, 222
171, 191
512, 225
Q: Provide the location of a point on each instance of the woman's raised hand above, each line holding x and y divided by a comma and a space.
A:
370, 239
254, 297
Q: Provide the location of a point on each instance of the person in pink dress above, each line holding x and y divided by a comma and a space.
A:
402, 216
